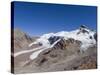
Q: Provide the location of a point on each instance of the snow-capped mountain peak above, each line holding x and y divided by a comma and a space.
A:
83, 34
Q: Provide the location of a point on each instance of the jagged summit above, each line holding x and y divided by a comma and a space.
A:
83, 26
84, 29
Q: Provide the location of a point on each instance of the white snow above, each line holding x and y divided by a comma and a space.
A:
35, 54
43, 39
27, 51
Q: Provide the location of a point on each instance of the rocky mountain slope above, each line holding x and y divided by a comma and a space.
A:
73, 50
22, 40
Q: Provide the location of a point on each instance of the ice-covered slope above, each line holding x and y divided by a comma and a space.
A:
83, 34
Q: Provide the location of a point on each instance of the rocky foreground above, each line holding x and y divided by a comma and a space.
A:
57, 60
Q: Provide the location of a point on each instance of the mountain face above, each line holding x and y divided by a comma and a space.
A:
65, 50
86, 36
21, 40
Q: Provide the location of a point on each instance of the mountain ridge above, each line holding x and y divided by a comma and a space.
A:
83, 34
65, 50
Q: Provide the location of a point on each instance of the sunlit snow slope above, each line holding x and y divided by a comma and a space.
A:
83, 34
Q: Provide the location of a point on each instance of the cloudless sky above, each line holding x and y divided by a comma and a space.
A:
39, 18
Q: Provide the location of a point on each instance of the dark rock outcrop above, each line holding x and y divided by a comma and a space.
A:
83, 29
95, 36
52, 39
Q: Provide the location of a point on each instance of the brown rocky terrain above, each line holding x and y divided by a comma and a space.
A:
22, 40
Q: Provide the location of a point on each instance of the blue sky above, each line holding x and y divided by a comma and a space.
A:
38, 18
